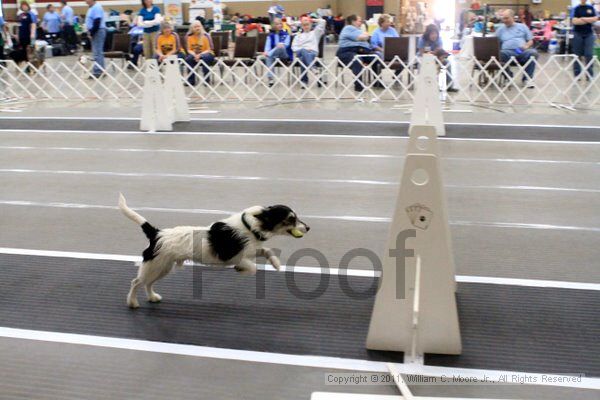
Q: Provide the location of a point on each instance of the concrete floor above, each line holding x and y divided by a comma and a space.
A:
518, 209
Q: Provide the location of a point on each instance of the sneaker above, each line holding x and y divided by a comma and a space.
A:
271, 82
452, 90
529, 84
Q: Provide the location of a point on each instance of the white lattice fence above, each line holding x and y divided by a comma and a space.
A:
491, 83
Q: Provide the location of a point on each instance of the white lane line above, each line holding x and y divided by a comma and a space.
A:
288, 359
284, 135
278, 153
339, 121
351, 218
366, 273
193, 176
279, 179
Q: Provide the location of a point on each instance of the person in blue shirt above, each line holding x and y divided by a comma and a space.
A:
95, 22
352, 42
583, 17
385, 30
516, 40
149, 18
51, 22
67, 17
277, 47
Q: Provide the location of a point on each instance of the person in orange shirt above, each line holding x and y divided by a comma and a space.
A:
167, 43
200, 51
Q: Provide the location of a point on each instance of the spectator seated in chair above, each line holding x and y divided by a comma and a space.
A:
277, 47
167, 43
431, 43
306, 45
516, 40
199, 50
386, 29
353, 41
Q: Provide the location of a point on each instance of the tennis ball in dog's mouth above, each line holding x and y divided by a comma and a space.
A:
296, 233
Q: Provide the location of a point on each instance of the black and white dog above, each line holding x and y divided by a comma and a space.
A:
233, 241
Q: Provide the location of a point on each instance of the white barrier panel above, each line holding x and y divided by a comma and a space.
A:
154, 107
420, 210
423, 140
175, 93
491, 83
427, 109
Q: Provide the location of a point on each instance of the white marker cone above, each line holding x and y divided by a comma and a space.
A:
154, 116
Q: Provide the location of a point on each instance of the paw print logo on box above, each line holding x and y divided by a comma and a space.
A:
419, 215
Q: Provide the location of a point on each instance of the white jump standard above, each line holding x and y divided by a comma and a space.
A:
415, 308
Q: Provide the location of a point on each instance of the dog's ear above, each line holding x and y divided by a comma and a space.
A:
270, 217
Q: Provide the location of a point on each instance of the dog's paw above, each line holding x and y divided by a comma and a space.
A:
275, 262
133, 304
246, 271
155, 298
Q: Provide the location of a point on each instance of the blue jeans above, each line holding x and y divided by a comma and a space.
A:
137, 51
346, 56
208, 59
98, 51
306, 58
276, 53
522, 59
583, 46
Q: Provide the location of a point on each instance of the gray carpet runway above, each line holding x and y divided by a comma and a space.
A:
503, 327
520, 210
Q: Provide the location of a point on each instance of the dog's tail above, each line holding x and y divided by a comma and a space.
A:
150, 231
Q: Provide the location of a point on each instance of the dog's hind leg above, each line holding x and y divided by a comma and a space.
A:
246, 267
132, 301
158, 270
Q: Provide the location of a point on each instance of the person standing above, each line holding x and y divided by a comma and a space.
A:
51, 22
95, 22
306, 45
27, 26
583, 17
68, 26
149, 18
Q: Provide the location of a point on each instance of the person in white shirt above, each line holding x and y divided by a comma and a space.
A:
306, 45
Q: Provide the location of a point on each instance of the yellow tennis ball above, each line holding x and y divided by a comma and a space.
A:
296, 233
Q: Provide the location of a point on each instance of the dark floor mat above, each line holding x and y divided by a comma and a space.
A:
503, 327
378, 128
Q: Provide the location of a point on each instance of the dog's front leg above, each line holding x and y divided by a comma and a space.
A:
271, 256
246, 267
